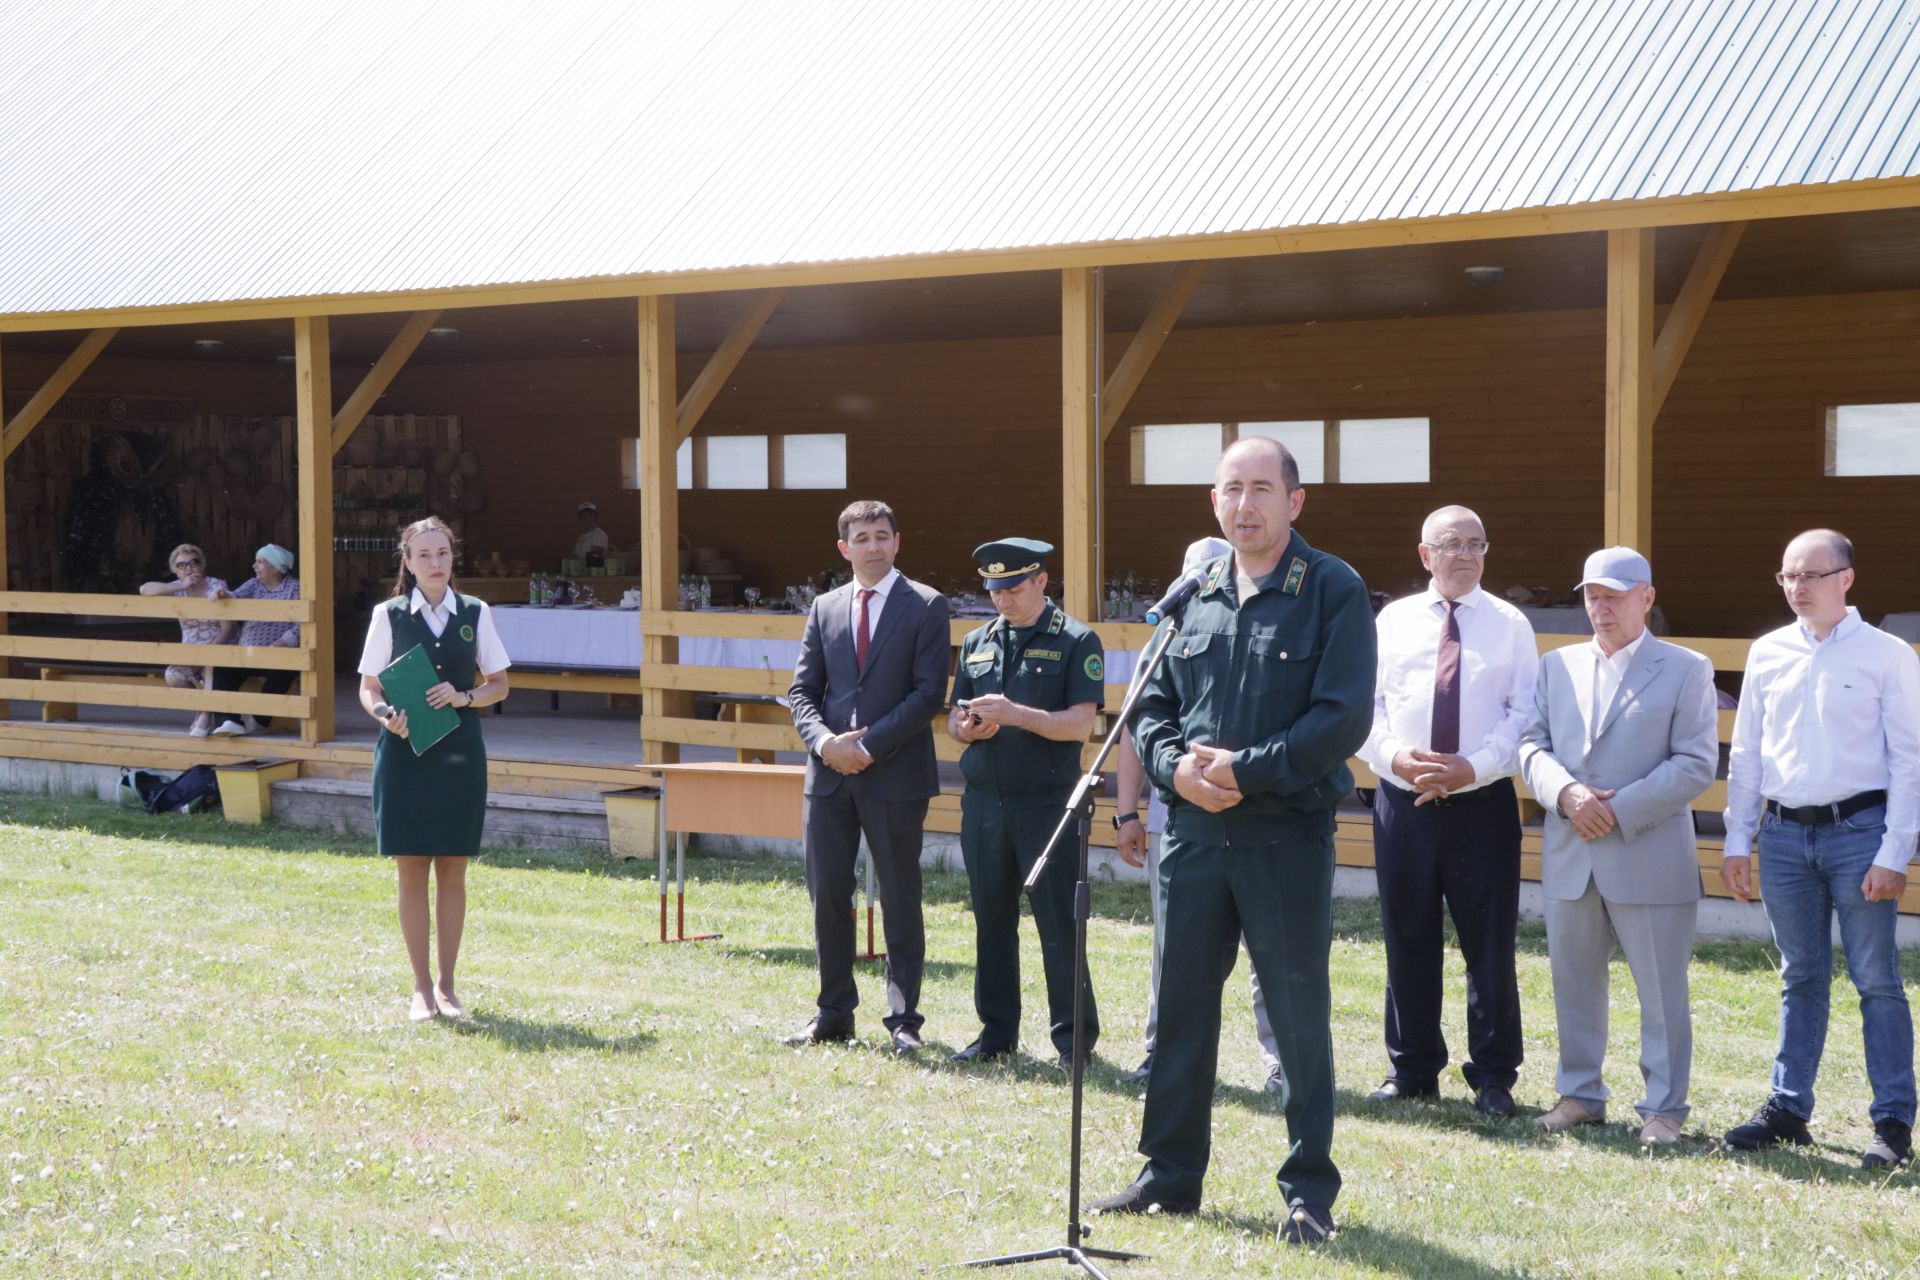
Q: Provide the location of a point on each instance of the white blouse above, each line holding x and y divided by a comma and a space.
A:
377, 653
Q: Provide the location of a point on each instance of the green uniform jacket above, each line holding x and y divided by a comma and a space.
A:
1061, 664
1284, 682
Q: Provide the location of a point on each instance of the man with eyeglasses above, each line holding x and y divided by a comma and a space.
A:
1453, 691
1825, 764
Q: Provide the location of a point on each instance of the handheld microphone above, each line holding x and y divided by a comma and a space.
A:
1178, 594
382, 711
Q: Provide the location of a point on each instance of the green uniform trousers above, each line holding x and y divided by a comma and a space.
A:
1280, 896
1000, 843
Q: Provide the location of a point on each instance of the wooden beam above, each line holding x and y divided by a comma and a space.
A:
1628, 503
313, 452
1081, 590
58, 649
721, 364
1697, 209
56, 386
5, 666
72, 602
659, 515
1690, 308
1146, 344
378, 378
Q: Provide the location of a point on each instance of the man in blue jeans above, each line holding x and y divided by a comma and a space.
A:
1826, 763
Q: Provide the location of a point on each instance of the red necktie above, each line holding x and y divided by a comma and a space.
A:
1446, 686
861, 637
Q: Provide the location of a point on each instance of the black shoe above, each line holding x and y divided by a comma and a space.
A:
1307, 1225
1892, 1146
905, 1041
981, 1051
1138, 1199
1395, 1091
819, 1029
1494, 1100
1140, 1073
1771, 1125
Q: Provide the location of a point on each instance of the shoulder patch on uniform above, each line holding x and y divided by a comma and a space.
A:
1213, 579
1296, 577
1096, 667
1059, 620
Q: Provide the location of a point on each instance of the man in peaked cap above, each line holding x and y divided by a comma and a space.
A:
1029, 685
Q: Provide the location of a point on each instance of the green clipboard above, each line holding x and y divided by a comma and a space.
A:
404, 684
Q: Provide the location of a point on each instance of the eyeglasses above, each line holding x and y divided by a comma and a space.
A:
1454, 547
184, 562
1806, 579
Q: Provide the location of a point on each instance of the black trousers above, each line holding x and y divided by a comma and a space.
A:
1000, 843
1462, 853
834, 825
1278, 896
231, 678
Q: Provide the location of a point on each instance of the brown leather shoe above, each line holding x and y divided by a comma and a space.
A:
1568, 1114
1660, 1131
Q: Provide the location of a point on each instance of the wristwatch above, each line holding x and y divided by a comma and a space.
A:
1122, 819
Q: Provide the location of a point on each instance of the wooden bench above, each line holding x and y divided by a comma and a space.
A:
50, 712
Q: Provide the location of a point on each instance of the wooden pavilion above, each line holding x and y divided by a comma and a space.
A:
1625, 267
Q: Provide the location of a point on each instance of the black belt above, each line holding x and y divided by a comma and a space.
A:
1820, 815
1490, 791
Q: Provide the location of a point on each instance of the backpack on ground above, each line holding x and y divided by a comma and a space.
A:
193, 791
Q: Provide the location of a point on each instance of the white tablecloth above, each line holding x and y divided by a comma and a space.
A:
732, 651
1904, 625
574, 638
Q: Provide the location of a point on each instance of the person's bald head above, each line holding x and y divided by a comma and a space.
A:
1250, 449
1453, 550
1832, 545
1816, 572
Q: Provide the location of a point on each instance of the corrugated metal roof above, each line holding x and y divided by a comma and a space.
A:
179, 151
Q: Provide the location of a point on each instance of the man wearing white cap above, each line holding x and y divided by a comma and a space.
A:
1623, 739
1138, 844
593, 539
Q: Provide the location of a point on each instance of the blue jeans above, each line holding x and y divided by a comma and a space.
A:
1807, 876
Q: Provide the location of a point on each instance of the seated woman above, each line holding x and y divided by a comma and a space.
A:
272, 580
189, 565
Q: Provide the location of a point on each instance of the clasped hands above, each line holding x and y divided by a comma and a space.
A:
1587, 810
1204, 777
1434, 775
842, 754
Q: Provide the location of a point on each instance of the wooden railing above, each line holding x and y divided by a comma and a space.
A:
1355, 847
82, 653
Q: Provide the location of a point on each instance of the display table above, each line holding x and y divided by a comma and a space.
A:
723, 799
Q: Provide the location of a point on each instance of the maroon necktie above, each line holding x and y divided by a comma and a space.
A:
1446, 686
861, 637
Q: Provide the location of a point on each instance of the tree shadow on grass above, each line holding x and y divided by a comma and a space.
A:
1379, 1248
803, 958
524, 1036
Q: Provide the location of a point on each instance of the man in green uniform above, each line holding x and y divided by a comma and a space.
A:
1029, 685
1246, 729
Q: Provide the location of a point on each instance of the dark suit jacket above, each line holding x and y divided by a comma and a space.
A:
895, 698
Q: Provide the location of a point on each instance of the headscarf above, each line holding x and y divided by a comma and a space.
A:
277, 556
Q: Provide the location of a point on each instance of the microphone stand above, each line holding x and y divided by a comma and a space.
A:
1079, 813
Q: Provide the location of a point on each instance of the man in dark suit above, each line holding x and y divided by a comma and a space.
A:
871, 677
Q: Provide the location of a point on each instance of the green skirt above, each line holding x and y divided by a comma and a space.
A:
432, 805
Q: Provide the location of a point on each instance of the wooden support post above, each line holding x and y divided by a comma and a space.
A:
1629, 403
380, 377
1690, 308
56, 386
1080, 442
725, 359
659, 510
5, 665
1145, 345
313, 415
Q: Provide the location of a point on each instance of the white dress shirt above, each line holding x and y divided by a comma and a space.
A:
874, 606
1499, 663
1821, 720
594, 539
376, 655
1609, 669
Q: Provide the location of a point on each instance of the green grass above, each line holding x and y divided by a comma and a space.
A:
206, 1070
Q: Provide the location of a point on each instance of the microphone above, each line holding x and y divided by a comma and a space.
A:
382, 711
1178, 594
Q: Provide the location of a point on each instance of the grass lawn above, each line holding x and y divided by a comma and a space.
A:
206, 1070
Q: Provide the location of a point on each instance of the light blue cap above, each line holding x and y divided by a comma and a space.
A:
1621, 568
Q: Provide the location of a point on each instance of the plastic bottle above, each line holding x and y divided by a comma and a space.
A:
533, 589
706, 592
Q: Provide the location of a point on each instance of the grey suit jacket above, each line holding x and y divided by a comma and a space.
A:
895, 699
1656, 746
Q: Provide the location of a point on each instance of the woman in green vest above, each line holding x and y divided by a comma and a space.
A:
428, 808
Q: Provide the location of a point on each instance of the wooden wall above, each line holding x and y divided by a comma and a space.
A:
963, 438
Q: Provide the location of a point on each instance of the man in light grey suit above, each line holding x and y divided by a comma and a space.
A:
1622, 740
